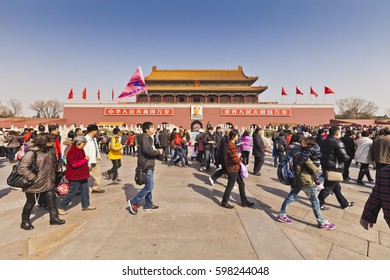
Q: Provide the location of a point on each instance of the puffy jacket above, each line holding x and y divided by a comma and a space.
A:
208, 138
146, 152
303, 174
380, 150
115, 148
333, 150
362, 153
246, 143
46, 162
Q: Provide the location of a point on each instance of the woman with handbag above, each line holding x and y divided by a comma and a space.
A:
43, 181
233, 161
77, 173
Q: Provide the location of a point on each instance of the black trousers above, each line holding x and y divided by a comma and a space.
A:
259, 161
336, 189
347, 164
234, 177
116, 164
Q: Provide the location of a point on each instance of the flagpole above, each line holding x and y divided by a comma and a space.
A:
310, 97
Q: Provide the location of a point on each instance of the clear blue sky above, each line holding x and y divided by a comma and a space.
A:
49, 46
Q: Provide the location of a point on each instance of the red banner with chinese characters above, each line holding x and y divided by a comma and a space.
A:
138, 111
266, 112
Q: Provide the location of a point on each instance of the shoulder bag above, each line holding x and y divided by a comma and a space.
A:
18, 181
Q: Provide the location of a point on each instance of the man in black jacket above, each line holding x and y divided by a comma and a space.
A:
147, 154
223, 146
333, 158
349, 143
258, 151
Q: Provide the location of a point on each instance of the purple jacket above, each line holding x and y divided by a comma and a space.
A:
246, 143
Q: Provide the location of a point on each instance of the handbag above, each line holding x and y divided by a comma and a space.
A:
244, 170
333, 176
63, 186
18, 181
140, 176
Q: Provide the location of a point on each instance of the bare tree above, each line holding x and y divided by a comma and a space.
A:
48, 109
356, 108
387, 112
16, 107
5, 112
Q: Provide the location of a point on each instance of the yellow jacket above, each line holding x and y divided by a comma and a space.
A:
115, 148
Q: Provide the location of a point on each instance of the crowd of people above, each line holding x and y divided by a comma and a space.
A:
316, 153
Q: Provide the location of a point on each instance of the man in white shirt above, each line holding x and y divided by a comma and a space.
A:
92, 151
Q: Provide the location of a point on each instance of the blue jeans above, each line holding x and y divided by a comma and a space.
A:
311, 194
146, 191
75, 186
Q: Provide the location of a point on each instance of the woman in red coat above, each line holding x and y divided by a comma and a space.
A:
77, 173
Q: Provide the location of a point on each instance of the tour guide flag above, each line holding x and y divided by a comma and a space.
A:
283, 91
298, 91
84, 94
313, 92
135, 86
70, 95
328, 91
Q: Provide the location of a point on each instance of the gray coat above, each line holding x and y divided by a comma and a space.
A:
46, 162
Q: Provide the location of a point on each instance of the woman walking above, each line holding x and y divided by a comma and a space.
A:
77, 173
232, 159
245, 147
41, 153
362, 155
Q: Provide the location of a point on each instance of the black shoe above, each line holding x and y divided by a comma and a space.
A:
26, 225
257, 174
360, 183
98, 191
350, 204
248, 204
370, 180
227, 205
57, 221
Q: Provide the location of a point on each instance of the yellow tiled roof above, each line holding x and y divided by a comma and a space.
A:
199, 75
258, 89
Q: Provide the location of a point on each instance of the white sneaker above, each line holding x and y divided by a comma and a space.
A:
211, 181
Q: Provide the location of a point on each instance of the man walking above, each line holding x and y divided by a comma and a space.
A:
147, 154
333, 158
92, 152
115, 155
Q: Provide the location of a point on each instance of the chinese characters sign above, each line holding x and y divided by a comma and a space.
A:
138, 111
257, 112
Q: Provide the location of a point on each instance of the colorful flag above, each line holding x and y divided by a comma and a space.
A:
328, 91
135, 86
112, 94
283, 91
298, 91
313, 92
98, 94
70, 95
84, 94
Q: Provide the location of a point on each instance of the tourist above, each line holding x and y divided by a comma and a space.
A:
379, 199
147, 154
124, 138
43, 181
245, 147
209, 144
179, 151
68, 143
163, 138
200, 147
258, 151
280, 148
115, 155
380, 150
77, 173
232, 160
2, 142
333, 158
91, 150
362, 156
223, 146
350, 148
131, 143
13, 141
304, 171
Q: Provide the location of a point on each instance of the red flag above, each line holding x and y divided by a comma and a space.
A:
135, 86
84, 94
298, 91
283, 91
112, 94
70, 95
313, 92
328, 91
98, 94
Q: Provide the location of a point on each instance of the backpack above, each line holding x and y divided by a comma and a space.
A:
285, 171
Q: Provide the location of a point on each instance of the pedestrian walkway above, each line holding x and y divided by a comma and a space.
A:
190, 224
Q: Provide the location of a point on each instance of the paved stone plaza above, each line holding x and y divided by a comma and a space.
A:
190, 223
